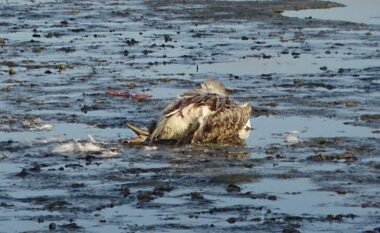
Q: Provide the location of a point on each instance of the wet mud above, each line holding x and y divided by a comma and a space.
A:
79, 68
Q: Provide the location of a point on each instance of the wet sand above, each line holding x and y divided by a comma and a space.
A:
311, 163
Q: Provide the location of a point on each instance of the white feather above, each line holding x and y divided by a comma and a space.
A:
291, 139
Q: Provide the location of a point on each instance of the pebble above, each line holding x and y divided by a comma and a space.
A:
23, 173
145, 196
297, 82
231, 220
197, 196
341, 192
233, 188
52, 226
62, 67
351, 104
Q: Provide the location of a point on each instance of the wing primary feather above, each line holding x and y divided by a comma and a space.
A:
137, 129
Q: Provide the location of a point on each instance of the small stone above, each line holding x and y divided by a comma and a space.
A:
167, 38
73, 12
2, 43
365, 205
36, 168
52, 226
341, 192
297, 82
64, 23
145, 196
323, 68
231, 220
351, 104
197, 196
37, 50
266, 56
270, 151
163, 188
290, 230
89, 158
166, 80
62, 67
278, 11
23, 173
77, 185
248, 165
284, 176
71, 226
146, 52
233, 188
256, 219
6, 89
125, 191
296, 54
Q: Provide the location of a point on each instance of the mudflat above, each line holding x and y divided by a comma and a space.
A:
76, 68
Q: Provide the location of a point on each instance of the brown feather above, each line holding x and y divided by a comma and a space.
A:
224, 123
204, 115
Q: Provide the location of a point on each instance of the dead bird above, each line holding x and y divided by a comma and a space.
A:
204, 115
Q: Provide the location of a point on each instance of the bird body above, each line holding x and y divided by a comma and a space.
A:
204, 115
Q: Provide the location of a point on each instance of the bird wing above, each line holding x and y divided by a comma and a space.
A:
137, 129
224, 123
184, 116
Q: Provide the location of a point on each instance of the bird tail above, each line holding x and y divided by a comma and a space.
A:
138, 130
157, 132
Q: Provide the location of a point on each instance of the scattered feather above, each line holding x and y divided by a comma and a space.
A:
45, 127
150, 148
76, 147
294, 132
291, 139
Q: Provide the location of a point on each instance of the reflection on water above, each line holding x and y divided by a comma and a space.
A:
363, 11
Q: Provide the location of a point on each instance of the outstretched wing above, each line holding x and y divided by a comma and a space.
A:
225, 123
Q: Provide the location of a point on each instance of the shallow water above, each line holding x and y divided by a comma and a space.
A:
274, 129
365, 11
313, 80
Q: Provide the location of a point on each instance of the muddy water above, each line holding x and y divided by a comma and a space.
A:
311, 163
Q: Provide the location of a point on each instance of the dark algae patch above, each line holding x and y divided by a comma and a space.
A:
72, 73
